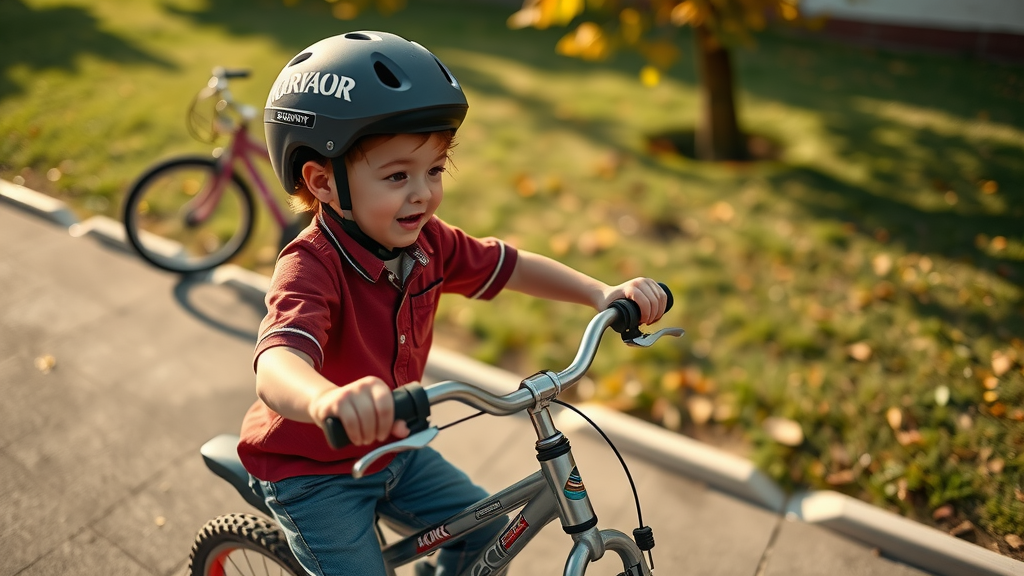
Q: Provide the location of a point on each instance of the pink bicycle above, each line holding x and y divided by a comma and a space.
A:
192, 213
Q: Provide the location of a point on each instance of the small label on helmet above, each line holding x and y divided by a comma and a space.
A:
290, 117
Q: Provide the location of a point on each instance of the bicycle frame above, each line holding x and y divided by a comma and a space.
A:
242, 148
556, 491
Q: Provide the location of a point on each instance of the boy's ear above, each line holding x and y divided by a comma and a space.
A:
319, 180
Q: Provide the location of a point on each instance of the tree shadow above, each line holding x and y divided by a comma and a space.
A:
758, 148
54, 38
942, 233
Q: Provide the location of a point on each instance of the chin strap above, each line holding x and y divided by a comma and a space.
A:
352, 229
349, 224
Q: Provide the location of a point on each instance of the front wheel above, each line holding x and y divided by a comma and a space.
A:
242, 544
184, 215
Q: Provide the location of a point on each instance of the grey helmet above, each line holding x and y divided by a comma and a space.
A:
352, 85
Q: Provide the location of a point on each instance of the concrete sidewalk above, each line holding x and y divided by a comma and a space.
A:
114, 373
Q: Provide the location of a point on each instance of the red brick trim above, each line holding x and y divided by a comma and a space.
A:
980, 43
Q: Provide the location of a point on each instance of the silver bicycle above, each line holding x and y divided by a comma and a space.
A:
236, 543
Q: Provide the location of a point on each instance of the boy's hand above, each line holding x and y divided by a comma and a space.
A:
645, 292
366, 409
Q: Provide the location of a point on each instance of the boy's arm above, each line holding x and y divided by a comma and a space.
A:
287, 382
543, 277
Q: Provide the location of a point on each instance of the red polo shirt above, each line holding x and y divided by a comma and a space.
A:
334, 300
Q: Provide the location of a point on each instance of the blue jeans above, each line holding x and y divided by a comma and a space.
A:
329, 520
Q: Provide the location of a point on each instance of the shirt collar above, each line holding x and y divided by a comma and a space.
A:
366, 263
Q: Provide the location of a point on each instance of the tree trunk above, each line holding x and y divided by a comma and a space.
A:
718, 135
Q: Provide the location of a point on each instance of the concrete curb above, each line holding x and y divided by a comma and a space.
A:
898, 537
895, 536
40, 204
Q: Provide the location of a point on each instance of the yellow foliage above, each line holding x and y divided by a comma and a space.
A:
650, 76
345, 10
546, 13
687, 13
632, 25
661, 54
588, 41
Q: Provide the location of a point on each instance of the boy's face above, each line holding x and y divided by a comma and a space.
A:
396, 187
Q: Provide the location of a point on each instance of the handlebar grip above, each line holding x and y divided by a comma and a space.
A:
629, 312
411, 405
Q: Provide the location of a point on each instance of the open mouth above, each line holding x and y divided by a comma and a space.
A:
410, 221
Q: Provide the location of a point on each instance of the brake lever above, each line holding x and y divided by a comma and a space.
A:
645, 340
411, 442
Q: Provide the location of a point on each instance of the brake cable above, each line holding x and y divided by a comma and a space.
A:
644, 535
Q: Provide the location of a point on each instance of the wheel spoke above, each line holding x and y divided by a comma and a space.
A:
237, 569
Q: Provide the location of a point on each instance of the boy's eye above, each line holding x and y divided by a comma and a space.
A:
397, 177
437, 170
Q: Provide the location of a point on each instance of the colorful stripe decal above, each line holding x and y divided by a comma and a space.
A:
574, 488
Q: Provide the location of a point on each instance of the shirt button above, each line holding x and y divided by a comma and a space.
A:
401, 339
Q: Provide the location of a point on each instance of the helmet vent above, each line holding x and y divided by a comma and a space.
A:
300, 58
359, 36
447, 75
386, 76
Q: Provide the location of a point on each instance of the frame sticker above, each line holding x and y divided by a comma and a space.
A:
432, 538
513, 532
574, 488
487, 510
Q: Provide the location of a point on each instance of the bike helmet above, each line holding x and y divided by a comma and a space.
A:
353, 85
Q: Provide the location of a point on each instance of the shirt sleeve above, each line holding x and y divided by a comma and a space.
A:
301, 304
475, 267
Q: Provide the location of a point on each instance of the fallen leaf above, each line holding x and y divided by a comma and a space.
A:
884, 291
672, 380
160, 521
784, 431
895, 418
1013, 541
525, 185
722, 211
860, 351
882, 264
909, 437
990, 187
1001, 362
46, 363
560, 244
996, 465
943, 512
991, 383
963, 530
840, 478
700, 408
859, 298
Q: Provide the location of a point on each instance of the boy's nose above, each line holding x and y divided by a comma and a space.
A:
420, 192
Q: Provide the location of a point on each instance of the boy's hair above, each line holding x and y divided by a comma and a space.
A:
302, 200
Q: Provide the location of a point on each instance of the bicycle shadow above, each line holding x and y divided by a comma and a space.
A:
220, 307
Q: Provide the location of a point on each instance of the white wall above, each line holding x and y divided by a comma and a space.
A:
966, 15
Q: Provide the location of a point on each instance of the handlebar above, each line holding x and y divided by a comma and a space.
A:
412, 401
206, 125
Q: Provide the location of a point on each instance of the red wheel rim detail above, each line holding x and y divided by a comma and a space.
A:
217, 566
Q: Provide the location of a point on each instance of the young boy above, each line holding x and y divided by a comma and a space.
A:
359, 129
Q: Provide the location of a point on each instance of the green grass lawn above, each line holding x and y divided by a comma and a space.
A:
866, 285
